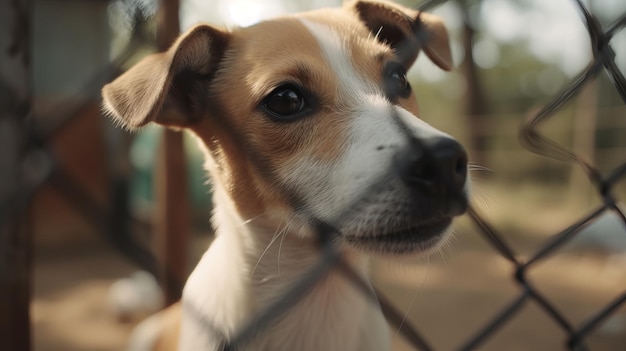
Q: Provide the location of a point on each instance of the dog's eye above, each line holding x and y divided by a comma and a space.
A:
396, 82
285, 102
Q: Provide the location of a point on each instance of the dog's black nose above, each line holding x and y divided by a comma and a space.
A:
438, 167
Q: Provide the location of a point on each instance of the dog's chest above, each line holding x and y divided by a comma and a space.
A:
333, 316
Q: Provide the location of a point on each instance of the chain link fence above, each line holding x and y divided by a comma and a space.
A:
37, 166
604, 58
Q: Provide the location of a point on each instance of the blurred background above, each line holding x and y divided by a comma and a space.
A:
106, 198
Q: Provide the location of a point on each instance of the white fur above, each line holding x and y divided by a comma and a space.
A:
225, 298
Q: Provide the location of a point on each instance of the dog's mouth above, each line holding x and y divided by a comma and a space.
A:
418, 237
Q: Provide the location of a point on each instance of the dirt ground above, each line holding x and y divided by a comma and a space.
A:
448, 297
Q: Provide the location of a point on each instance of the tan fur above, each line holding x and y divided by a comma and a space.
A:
170, 328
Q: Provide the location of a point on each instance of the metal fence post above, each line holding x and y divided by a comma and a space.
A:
15, 109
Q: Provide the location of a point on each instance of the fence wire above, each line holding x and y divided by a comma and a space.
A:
40, 162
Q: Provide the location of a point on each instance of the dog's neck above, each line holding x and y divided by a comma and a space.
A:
260, 264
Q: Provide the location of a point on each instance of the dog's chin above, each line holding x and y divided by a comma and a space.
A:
415, 238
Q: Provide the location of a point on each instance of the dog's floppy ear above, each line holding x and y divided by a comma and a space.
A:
169, 87
399, 27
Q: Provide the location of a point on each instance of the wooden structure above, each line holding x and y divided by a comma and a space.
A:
172, 203
15, 110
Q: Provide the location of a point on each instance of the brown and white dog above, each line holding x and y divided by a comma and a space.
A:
305, 119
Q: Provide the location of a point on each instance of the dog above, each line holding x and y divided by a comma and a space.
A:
308, 121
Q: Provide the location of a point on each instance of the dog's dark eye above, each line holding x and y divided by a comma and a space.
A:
396, 82
285, 102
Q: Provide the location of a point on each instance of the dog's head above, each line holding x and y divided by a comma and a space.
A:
310, 119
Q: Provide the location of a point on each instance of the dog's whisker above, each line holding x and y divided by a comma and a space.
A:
475, 167
274, 238
378, 32
250, 220
414, 298
441, 251
481, 197
280, 246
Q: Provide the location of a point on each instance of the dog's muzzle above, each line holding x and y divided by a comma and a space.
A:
427, 191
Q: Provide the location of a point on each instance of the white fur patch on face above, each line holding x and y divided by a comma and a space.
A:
337, 54
378, 131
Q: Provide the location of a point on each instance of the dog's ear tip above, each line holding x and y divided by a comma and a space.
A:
110, 108
399, 22
446, 66
438, 47
442, 58
129, 125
